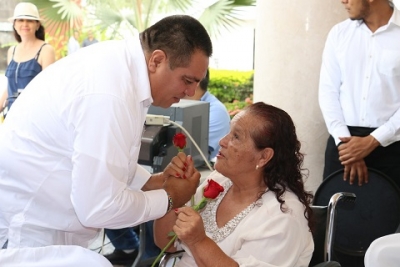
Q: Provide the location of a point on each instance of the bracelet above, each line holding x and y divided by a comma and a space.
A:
170, 203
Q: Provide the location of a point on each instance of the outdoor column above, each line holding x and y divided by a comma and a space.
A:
290, 36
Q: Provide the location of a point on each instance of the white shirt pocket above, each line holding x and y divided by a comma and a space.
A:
389, 63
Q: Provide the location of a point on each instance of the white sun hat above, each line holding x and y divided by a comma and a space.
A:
25, 10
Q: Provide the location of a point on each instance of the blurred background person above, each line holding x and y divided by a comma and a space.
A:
29, 57
219, 116
89, 39
73, 43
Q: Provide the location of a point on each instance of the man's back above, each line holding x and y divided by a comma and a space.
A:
49, 125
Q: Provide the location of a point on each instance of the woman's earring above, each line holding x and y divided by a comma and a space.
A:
256, 167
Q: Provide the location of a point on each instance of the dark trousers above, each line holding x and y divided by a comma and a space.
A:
384, 159
127, 238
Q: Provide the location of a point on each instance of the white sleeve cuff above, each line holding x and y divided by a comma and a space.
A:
140, 178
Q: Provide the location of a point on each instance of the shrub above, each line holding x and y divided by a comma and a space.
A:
229, 85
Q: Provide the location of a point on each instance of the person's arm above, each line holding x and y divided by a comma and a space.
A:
4, 94
329, 87
3, 99
47, 56
161, 228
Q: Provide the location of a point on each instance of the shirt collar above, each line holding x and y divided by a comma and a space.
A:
395, 18
139, 71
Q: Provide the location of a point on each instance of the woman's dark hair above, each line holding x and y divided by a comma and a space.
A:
284, 171
40, 34
178, 36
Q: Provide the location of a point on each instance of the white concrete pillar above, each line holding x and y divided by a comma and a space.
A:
290, 36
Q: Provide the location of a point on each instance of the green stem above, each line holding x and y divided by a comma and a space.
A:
196, 207
163, 251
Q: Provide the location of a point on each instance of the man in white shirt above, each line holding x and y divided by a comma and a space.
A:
69, 148
359, 91
73, 43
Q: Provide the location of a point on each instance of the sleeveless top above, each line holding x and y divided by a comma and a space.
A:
19, 74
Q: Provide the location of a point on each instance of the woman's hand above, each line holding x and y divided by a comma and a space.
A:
180, 166
189, 226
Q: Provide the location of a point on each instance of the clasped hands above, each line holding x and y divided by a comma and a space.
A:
352, 152
181, 179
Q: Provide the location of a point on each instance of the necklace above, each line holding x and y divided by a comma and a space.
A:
209, 215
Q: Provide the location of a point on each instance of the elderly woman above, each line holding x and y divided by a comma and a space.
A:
262, 218
29, 57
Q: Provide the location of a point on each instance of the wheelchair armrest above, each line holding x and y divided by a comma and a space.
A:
168, 256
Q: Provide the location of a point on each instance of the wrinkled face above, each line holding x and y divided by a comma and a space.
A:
26, 27
238, 154
357, 9
170, 86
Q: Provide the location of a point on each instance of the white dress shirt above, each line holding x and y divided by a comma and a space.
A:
266, 236
73, 45
360, 79
69, 150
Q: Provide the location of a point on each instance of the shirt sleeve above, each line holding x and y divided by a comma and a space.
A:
329, 90
105, 193
389, 132
141, 177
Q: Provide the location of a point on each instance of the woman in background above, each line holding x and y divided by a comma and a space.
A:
29, 57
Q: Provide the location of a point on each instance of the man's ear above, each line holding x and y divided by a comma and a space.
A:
156, 58
266, 156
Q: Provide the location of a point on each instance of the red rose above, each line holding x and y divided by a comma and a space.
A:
179, 141
212, 190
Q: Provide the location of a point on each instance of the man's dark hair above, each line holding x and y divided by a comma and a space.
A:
179, 36
205, 81
40, 34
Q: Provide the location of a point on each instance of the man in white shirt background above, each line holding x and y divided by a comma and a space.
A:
73, 43
359, 91
70, 146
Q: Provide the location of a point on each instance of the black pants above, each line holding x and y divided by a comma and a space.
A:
384, 159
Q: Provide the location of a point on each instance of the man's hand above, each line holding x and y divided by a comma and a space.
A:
357, 169
356, 148
182, 179
177, 168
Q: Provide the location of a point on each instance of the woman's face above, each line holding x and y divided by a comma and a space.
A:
26, 27
238, 154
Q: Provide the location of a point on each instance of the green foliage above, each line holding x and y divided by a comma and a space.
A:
230, 85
